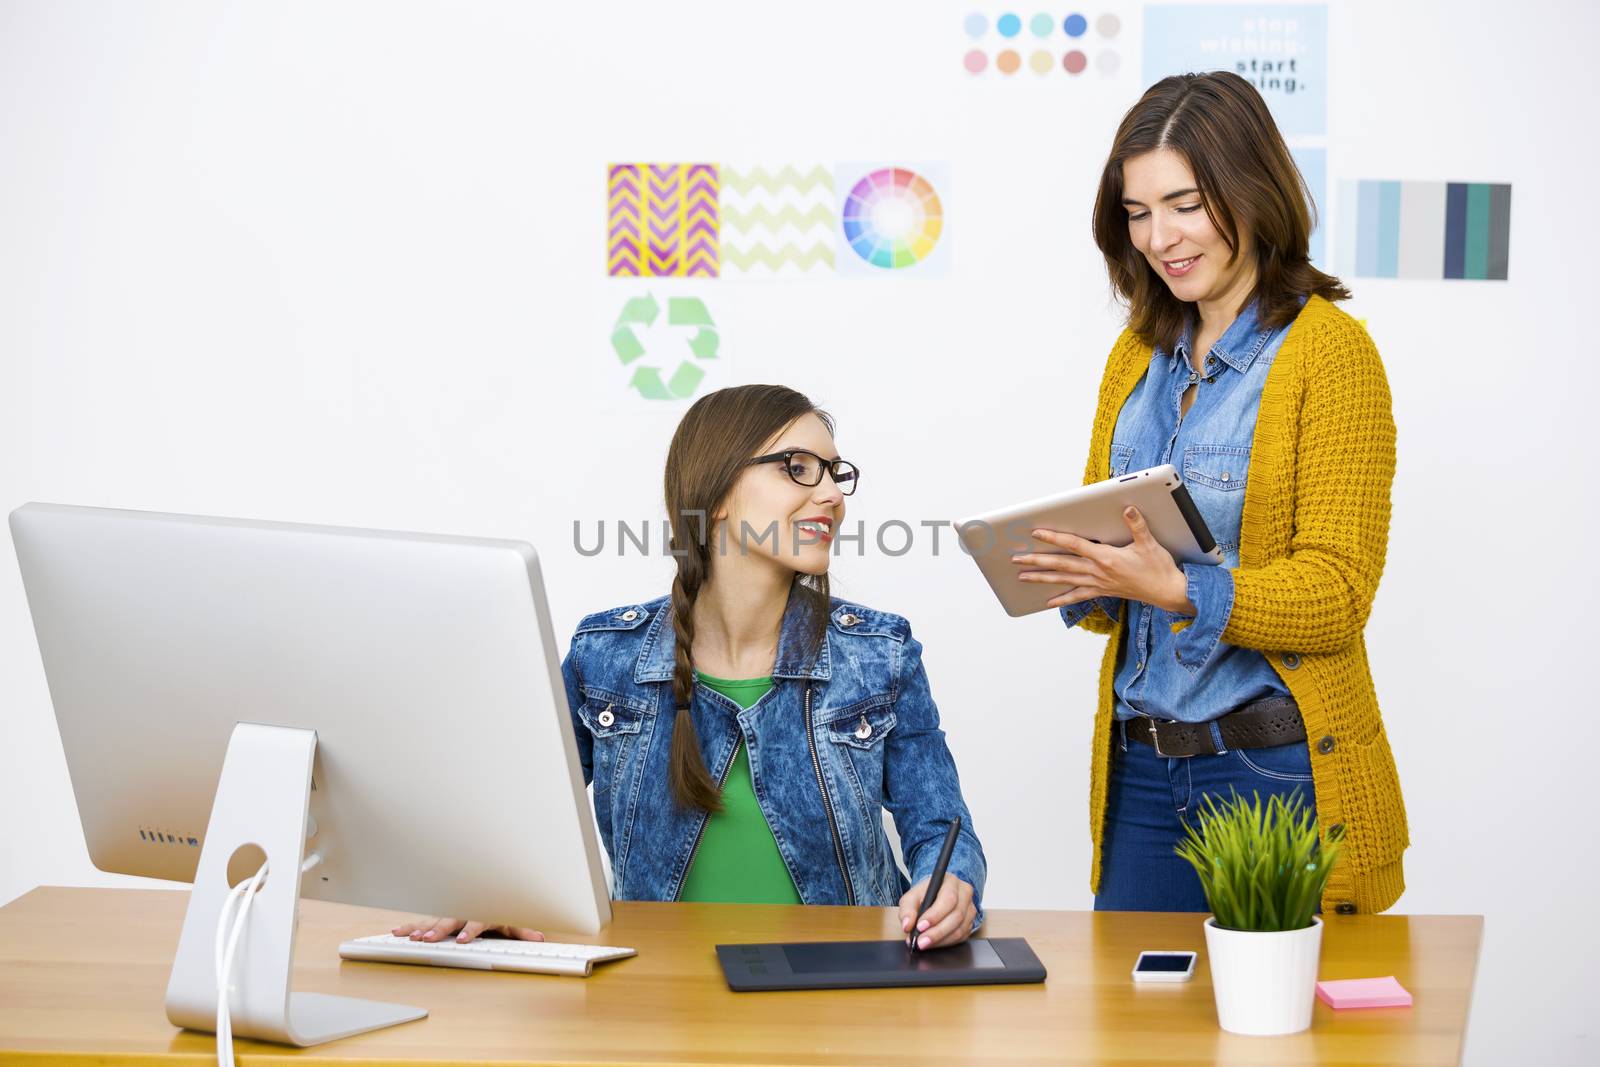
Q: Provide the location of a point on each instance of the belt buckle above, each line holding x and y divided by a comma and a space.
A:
1155, 740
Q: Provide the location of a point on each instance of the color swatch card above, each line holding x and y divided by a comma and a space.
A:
1450, 230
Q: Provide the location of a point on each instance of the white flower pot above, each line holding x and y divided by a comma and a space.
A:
1265, 983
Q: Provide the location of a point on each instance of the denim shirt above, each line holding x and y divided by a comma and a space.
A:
1192, 675
847, 731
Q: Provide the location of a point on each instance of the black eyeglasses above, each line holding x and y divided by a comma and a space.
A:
805, 468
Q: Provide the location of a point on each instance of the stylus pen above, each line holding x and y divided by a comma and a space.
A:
935, 880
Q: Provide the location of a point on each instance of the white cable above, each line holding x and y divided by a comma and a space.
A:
225, 1047
244, 892
229, 929
224, 928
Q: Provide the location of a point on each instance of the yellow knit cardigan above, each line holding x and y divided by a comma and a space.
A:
1311, 550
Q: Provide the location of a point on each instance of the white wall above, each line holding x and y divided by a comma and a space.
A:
342, 263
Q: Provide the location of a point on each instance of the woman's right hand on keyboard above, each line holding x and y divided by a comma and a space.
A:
436, 930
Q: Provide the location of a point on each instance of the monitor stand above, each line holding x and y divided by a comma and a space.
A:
263, 798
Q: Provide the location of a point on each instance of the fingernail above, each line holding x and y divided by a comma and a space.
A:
923, 925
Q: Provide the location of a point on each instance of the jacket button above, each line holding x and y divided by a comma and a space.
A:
864, 731
1325, 746
605, 718
1225, 476
848, 619
1344, 907
1290, 660
629, 615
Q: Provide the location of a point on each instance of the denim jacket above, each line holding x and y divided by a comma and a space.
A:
844, 733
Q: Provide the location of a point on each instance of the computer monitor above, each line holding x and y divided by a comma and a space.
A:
391, 702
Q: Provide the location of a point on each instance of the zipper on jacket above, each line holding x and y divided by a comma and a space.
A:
705, 818
827, 806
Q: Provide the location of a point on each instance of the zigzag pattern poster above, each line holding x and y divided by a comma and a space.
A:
778, 221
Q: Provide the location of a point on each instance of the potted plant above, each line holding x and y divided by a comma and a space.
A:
1263, 867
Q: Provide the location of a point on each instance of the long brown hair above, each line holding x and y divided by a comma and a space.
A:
709, 449
1220, 125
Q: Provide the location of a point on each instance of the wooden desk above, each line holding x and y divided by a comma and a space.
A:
84, 971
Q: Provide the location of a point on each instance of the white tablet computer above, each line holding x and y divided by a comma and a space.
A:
1090, 511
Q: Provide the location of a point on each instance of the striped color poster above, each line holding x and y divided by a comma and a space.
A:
1424, 230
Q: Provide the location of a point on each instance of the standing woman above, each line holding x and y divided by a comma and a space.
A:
1236, 368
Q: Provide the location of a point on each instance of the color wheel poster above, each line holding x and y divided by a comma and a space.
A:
893, 218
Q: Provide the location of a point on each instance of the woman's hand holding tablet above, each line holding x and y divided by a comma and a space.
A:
1143, 570
1123, 537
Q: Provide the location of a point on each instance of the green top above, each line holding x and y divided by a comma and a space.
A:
738, 860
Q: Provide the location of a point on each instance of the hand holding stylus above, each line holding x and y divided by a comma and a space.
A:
939, 910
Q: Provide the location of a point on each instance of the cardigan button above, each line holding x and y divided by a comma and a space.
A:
1325, 746
1290, 660
1344, 907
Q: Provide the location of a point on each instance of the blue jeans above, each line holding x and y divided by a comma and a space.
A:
1148, 799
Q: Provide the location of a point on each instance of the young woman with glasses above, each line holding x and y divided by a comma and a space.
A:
745, 733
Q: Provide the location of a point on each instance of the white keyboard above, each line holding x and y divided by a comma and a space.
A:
485, 954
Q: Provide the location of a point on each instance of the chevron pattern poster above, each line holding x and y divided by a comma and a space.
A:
777, 221
663, 220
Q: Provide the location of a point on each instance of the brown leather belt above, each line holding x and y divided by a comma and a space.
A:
1260, 724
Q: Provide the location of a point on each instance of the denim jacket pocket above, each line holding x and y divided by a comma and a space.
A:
615, 725
862, 728
858, 734
608, 717
1220, 467
1121, 458
1216, 476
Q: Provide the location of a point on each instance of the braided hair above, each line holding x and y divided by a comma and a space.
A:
708, 453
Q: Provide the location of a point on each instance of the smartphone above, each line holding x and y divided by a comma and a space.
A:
1164, 967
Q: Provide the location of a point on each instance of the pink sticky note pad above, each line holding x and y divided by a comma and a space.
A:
1364, 993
